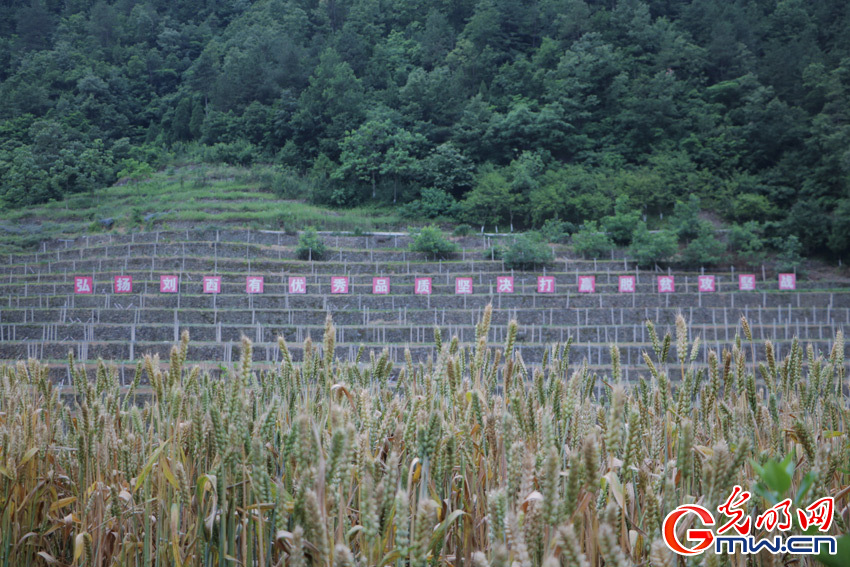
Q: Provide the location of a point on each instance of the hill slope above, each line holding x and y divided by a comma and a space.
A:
187, 197
519, 110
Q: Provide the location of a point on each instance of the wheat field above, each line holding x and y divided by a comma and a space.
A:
474, 458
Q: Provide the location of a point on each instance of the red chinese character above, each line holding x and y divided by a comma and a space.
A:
771, 517
819, 513
423, 286
732, 509
505, 284
297, 285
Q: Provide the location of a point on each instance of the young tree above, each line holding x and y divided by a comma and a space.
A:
310, 245
430, 240
704, 249
685, 222
622, 224
590, 240
650, 248
746, 242
491, 201
527, 252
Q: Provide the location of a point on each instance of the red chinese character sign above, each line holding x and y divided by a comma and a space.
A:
788, 281
545, 284
666, 284
627, 284
505, 284
339, 284
586, 284
746, 282
83, 285
212, 284
297, 284
381, 285
705, 284
168, 284
422, 286
123, 284
463, 286
254, 284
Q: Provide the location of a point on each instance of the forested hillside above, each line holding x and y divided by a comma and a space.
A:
490, 111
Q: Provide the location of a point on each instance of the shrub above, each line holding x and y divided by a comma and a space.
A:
496, 252
345, 195
591, 241
431, 241
622, 224
705, 249
649, 248
285, 221
285, 183
527, 251
310, 246
134, 170
433, 203
462, 229
233, 153
751, 206
555, 230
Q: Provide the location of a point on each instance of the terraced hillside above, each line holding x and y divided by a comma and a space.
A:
40, 316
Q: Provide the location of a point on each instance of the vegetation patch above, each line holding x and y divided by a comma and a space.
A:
430, 240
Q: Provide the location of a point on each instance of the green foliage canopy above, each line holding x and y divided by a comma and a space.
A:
520, 111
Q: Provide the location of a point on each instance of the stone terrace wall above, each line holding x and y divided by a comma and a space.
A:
40, 316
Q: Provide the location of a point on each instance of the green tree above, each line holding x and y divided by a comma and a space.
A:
839, 238
448, 169
622, 224
789, 254
180, 122
555, 230
527, 252
380, 150
746, 242
430, 240
809, 222
310, 245
364, 151
433, 203
492, 201
650, 248
590, 240
401, 161
330, 106
704, 249
685, 221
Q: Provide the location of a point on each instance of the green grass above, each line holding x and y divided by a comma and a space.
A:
211, 195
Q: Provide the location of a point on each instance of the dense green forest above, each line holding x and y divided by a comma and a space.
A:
496, 112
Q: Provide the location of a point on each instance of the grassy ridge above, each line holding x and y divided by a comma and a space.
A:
475, 458
203, 195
